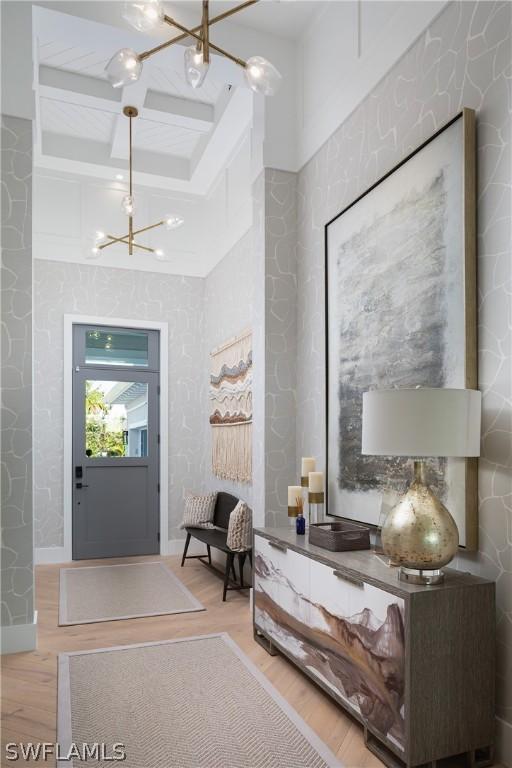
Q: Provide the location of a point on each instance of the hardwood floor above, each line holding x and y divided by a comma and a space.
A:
29, 680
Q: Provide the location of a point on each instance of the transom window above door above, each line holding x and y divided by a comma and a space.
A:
116, 348
97, 346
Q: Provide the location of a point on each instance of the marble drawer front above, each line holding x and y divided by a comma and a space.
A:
347, 634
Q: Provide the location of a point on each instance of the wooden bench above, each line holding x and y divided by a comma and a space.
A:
217, 538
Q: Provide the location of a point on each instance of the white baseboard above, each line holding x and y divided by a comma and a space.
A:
503, 742
19, 637
49, 555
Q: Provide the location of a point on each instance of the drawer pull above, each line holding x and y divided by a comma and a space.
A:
277, 545
347, 577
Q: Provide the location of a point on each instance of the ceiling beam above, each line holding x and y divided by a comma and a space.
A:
132, 96
74, 83
175, 110
85, 156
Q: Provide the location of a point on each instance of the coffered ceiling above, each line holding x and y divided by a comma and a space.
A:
182, 138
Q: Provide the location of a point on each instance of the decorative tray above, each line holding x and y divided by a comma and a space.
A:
339, 536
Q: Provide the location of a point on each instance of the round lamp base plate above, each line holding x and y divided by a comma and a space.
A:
422, 577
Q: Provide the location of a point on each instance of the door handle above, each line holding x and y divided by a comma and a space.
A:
82, 485
352, 579
277, 545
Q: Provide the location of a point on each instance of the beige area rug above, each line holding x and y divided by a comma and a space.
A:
124, 591
192, 703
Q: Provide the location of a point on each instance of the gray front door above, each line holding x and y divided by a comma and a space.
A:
115, 442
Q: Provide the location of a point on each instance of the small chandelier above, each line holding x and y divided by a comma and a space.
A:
125, 66
172, 221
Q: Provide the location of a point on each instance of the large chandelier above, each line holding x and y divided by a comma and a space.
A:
172, 221
125, 66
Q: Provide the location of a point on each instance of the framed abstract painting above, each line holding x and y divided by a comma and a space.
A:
401, 312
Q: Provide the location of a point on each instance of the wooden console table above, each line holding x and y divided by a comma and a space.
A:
414, 664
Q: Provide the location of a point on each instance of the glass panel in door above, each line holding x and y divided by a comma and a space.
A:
116, 418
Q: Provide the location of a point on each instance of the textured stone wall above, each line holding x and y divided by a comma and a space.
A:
463, 59
16, 373
61, 288
281, 469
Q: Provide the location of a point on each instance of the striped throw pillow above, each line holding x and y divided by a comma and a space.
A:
199, 510
240, 528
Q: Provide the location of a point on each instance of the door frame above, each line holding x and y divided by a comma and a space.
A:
115, 322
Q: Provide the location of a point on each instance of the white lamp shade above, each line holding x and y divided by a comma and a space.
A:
421, 422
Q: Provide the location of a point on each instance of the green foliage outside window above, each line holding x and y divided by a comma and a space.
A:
100, 438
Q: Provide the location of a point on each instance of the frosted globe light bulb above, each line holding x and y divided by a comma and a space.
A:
100, 235
195, 68
128, 205
144, 16
262, 76
124, 68
93, 253
173, 221
160, 254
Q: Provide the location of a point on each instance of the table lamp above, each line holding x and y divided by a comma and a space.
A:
419, 533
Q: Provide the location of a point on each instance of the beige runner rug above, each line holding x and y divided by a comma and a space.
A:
193, 703
124, 591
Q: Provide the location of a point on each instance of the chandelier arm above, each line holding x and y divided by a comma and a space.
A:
205, 36
145, 229
240, 62
178, 38
125, 239
112, 241
143, 247
236, 59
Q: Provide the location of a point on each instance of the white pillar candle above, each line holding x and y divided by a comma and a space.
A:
316, 482
294, 493
308, 465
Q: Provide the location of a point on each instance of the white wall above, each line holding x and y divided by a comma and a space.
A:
343, 54
280, 143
